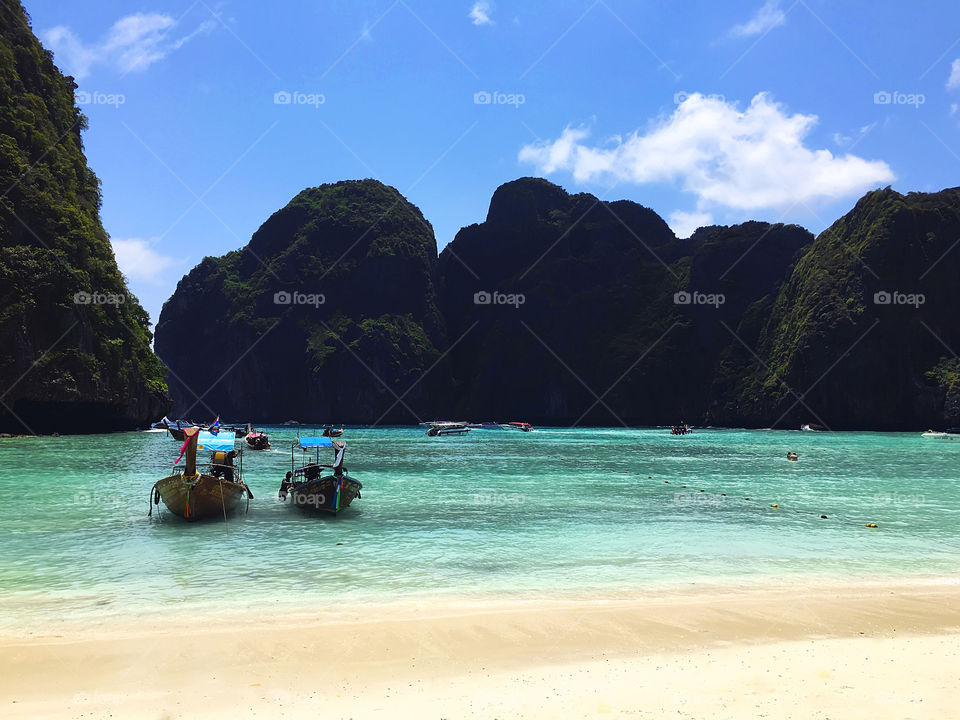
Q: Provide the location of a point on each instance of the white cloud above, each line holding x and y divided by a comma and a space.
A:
480, 13
953, 82
768, 17
139, 261
726, 158
133, 43
684, 223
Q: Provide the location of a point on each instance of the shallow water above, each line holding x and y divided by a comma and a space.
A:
579, 511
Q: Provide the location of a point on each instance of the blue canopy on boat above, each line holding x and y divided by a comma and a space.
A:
315, 442
215, 443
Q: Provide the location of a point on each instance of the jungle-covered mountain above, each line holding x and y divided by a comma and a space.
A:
565, 309
329, 313
75, 350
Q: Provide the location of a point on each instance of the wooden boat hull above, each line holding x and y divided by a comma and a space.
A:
257, 442
176, 434
321, 495
205, 497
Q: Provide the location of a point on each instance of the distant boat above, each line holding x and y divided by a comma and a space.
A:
485, 426
949, 434
440, 428
195, 495
308, 488
256, 440
330, 431
176, 429
681, 429
521, 426
812, 428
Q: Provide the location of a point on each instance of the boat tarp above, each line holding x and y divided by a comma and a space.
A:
315, 442
215, 443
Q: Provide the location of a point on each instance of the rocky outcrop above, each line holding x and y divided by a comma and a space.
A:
75, 350
327, 315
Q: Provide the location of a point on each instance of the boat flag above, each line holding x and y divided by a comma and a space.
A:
215, 428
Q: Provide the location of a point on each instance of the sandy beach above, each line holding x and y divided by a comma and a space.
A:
867, 651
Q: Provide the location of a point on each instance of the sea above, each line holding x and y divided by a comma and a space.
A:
494, 514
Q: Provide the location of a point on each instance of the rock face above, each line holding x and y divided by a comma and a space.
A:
327, 315
563, 309
866, 328
620, 322
74, 342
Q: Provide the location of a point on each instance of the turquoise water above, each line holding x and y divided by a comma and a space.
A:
556, 511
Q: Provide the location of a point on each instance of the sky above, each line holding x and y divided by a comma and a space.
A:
206, 116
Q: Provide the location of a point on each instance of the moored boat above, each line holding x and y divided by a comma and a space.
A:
440, 428
521, 426
256, 440
948, 434
308, 488
331, 432
195, 495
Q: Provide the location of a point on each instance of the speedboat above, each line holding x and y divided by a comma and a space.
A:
521, 426
485, 426
949, 434
439, 428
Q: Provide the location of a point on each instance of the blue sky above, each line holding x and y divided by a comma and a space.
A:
706, 112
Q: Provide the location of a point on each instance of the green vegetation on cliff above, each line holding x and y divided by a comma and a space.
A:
863, 330
74, 342
327, 315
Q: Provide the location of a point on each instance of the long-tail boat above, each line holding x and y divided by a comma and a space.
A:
308, 487
331, 432
256, 440
195, 495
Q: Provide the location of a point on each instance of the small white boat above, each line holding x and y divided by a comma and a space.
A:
950, 434
521, 426
440, 428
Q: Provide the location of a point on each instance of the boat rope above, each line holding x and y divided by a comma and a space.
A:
153, 495
222, 503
